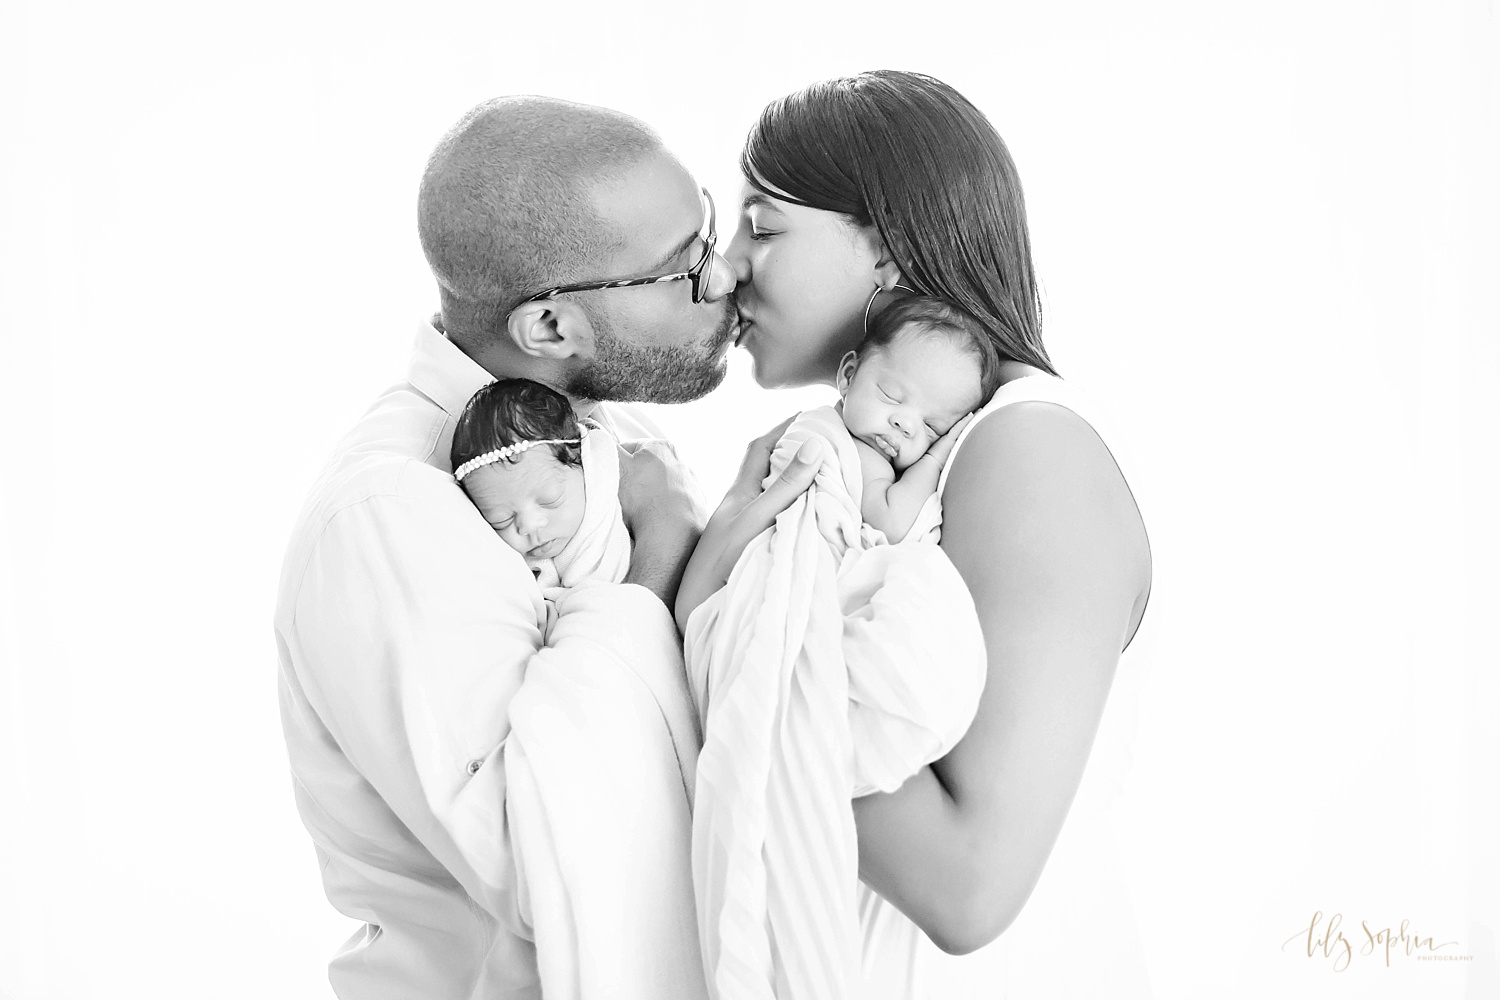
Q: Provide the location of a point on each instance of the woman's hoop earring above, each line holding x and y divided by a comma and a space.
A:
877, 291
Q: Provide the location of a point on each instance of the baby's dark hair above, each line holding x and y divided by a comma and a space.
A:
927, 315
511, 410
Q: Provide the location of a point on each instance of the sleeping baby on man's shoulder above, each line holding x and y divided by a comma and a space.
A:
546, 482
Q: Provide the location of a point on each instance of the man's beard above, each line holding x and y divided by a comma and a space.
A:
626, 372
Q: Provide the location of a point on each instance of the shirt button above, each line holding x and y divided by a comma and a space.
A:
475, 765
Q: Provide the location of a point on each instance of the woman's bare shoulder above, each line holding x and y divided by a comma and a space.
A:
1033, 448
1035, 481
1034, 428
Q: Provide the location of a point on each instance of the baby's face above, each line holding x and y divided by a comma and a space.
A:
901, 397
535, 504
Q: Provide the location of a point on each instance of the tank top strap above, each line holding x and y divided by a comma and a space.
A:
1041, 388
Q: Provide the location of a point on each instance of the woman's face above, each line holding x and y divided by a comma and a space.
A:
805, 277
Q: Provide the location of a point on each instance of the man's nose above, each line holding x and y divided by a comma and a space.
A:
722, 279
737, 256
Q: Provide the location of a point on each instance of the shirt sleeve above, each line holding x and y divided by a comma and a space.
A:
416, 628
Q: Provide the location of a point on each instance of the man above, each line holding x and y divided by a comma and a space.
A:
509, 818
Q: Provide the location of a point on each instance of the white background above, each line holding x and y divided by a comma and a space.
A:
1266, 233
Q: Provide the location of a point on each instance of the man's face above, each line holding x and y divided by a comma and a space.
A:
653, 342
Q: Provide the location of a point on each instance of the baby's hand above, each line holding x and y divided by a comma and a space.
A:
550, 599
941, 448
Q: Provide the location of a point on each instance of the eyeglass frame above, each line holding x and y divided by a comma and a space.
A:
699, 274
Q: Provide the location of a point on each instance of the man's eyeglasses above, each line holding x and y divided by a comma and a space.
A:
699, 274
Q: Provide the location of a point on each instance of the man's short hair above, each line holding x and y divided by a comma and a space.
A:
506, 207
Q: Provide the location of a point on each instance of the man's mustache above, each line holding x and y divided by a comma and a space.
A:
731, 319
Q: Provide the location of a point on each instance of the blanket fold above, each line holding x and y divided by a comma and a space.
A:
830, 665
600, 548
599, 768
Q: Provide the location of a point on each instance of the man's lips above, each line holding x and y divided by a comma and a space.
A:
746, 322
728, 332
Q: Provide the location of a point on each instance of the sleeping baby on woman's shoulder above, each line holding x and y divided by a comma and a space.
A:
833, 664
907, 393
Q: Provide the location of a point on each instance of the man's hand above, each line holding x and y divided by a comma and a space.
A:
663, 511
745, 512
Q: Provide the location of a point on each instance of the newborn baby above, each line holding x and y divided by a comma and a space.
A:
833, 664
907, 393
546, 484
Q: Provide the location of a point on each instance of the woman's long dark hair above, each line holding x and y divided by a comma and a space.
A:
911, 156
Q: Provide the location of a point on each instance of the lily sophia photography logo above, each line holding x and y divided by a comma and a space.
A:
1331, 939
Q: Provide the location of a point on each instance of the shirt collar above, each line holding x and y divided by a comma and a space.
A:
442, 372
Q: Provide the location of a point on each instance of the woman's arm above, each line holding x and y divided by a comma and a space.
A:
745, 512
1044, 531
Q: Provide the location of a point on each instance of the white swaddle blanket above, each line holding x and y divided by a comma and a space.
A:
830, 666
600, 548
571, 788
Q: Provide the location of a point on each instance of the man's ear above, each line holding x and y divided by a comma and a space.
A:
551, 330
846, 373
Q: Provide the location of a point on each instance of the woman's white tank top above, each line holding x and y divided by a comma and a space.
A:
1076, 936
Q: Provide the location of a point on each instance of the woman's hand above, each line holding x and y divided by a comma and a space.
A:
745, 512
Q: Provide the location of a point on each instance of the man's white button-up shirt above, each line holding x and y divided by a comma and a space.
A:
507, 818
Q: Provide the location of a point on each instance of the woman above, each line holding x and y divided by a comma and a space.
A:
889, 181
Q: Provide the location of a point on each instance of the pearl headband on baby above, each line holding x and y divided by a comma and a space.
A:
500, 454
